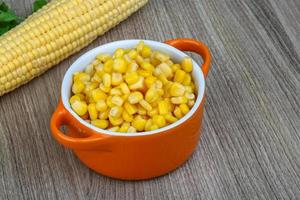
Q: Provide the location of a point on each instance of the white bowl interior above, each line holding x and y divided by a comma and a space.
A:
87, 58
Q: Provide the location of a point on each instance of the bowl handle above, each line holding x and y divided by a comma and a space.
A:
186, 44
62, 117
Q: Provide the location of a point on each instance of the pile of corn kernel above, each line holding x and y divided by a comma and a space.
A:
133, 90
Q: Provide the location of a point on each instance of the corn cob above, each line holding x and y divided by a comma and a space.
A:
56, 31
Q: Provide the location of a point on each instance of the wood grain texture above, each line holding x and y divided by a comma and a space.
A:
250, 146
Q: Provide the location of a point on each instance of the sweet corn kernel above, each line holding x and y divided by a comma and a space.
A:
148, 125
177, 90
89, 87
93, 113
177, 112
158, 84
78, 87
149, 81
137, 85
191, 103
114, 129
100, 123
178, 100
125, 96
189, 96
101, 105
170, 118
161, 56
153, 127
118, 101
103, 57
89, 69
132, 67
103, 115
115, 91
140, 46
139, 59
131, 129
124, 127
188, 89
74, 98
133, 54
151, 95
175, 67
109, 102
81, 76
146, 51
119, 53
147, 66
145, 105
98, 94
184, 108
139, 123
103, 88
80, 107
108, 66
124, 88
120, 65
131, 109
116, 78
106, 80
179, 76
131, 78
163, 79
165, 69
115, 112
141, 110
144, 73
187, 64
135, 97
126, 116
115, 121
187, 80
152, 112
159, 120
163, 107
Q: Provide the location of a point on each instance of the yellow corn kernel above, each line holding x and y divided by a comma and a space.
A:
161, 56
164, 69
152, 112
135, 97
163, 107
131, 129
99, 68
114, 129
103, 115
131, 109
179, 76
177, 90
189, 96
89, 87
158, 84
137, 85
147, 66
139, 123
80, 107
132, 67
153, 127
151, 95
106, 80
115, 91
191, 103
146, 51
74, 98
160, 92
144, 73
77, 87
115, 112
108, 66
84, 77
89, 69
169, 62
118, 101
187, 64
126, 116
119, 53
131, 78
159, 120
103, 57
98, 94
127, 59
188, 89
132, 54
125, 96
148, 125
93, 112
187, 79
178, 100
149, 81
141, 110
184, 108
116, 78
140, 46
103, 88
139, 59
101, 105
177, 112
115, 121
145, 105
124, 128
175, 67
124, 88
109, 102
120, 65
100, 123
170, 118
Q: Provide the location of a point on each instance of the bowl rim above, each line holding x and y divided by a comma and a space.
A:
91, 54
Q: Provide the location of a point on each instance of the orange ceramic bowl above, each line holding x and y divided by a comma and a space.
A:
133, 156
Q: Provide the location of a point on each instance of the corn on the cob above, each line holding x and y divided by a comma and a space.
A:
56, 31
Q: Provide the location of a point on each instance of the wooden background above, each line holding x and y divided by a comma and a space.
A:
250, 147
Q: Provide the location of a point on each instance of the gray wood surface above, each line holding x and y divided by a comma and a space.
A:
250, 146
